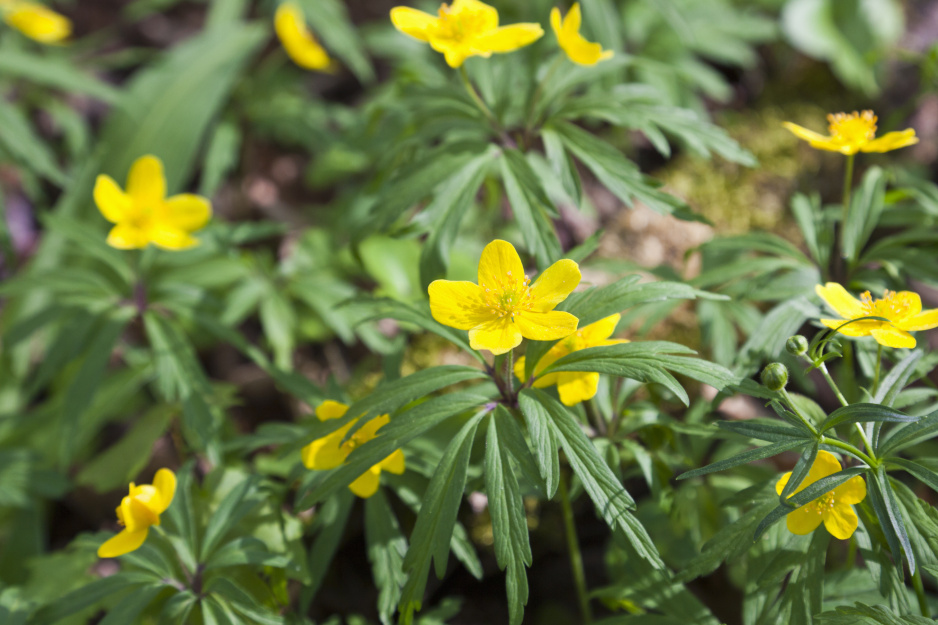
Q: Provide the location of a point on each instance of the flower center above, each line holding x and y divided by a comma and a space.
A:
852, 128
507, 297
458, 27
890, 306
824, 503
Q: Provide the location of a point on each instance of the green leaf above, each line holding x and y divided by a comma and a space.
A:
246, 550
866, 208
234, 507
744, 458
386, 549
546, 443
19, 141
807, 212
610, 498
55, 72
402, 428
926, 475
531, 207
130, 607
562, 164
434, 527
330, 524
889, 515
862, 413
896, 379
329, 20
221, 157
88, 595
799, 472
181, 516
906, 436
509, 524
765, 430
861, 614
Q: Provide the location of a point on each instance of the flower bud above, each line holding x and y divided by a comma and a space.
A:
796, 345
775, 376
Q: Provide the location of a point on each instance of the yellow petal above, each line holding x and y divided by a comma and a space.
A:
38, 22
113, 203
519, 368
573, 20
484, 17
137, 514
326, 453
500, 266
825, 463
187, 211
165, 484
330, 410
459, 305
803, 521
908, 301
170, 238
127, 237
837, 297
394, 463
803, 133
841, 521
542, 381
855, 328
850, 492
548, 326
370, 430
498, 335
575, 386
301, 46
577, 48
145, 182
456, 55
508, 38
555, 23
555, 284
412, 22
367, 483
124, 542
891, 336
922, 321
780, 484
599, 330
891, 141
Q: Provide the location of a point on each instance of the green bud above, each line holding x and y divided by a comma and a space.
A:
796, 345
775, 376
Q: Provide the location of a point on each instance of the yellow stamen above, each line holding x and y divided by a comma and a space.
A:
852, 127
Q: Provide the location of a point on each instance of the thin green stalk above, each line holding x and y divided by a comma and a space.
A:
480, 103
593, 417
879, 361
834, 442
830, 382
848, 186
509, 375
797, 412
920, 592
576, 559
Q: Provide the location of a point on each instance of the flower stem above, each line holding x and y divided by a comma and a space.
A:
920, 592
576, 559
848, 185
508, 375
797, 412
471, 90
830, 382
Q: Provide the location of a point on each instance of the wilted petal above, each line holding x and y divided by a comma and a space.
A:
548, 326
145, 182
891, 336
554, 285
498, 335
187, 211
124, 542
459, 305
841, 521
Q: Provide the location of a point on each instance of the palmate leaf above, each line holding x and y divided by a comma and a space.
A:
609, 496
509, 524
434, 527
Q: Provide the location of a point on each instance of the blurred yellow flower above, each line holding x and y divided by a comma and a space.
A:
852, 133
503, 307
330, 452
138, 511
833, 508
144, 215
902, 309
468, 28
299, 43
574, 386
36, 21
578, 49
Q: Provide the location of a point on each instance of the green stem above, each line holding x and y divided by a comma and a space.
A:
471, 90
848, 185
833, 442
830, 382
576, 559
879, 360
797, 412
593, 417
920, 592
509, 375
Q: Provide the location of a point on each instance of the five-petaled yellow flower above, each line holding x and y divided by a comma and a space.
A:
138, 511
467, 28
834, 508
574, 386
578, 49
330, 452
504, 306
144, 215
902, 309
299, 43
36, 21
852, 133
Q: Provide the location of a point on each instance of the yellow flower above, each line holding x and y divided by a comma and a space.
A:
138, 511
330, 452
578, 49
36, 21
143, 215
574, 386
468, 28
833, 508
852, 133
502, 308
299, 43
902, 309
